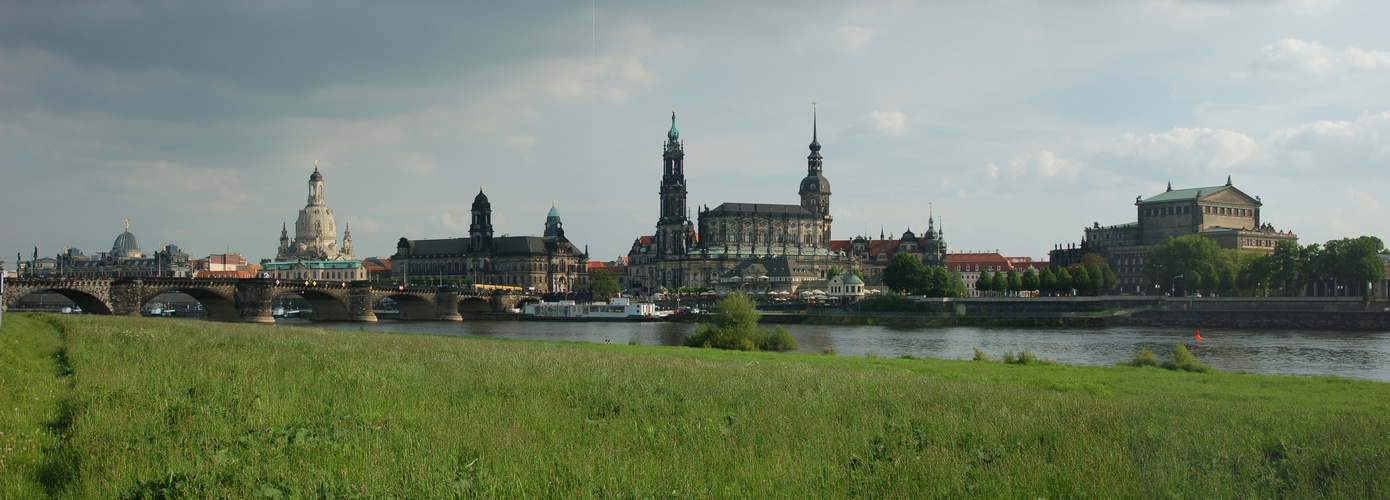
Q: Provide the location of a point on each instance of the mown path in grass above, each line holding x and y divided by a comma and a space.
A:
107, 407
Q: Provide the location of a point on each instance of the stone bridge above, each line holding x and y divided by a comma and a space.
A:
251, 300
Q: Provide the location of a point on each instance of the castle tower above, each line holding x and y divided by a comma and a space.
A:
480, 230
671, 227
815, 189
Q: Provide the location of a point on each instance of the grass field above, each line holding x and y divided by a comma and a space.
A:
102, 407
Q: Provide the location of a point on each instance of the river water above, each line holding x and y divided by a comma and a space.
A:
1361, 355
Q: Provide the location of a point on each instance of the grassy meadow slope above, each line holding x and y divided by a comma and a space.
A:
102, 407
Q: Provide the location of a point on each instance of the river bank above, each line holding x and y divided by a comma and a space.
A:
108, 407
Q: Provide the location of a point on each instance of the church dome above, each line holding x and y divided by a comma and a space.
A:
553, 213
815, 183
907, 235
125, 246
316, 176
481, 199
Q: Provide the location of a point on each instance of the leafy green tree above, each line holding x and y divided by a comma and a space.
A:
1097, 281
1350, 263
1047, 280
1013, 281
982, 283
1286, 268
936, 284
957, 284
605, 285
1191, 256
858, 273
1081, 280
1063, 285
1029, 279
1000, 282
904, 274
1108, 279
832, 272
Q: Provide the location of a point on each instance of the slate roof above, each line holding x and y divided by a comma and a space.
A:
761, 208
1184, 194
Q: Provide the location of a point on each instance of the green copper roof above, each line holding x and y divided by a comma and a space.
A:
1184, 194
673, 134
553, 212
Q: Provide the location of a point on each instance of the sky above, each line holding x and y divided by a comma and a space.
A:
1015, 123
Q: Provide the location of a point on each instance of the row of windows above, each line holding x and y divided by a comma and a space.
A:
1238, 212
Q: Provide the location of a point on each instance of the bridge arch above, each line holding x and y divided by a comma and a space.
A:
327, 306
217, 305
411, 307
474, 305
90, 304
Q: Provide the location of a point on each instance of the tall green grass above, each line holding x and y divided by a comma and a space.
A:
150, 408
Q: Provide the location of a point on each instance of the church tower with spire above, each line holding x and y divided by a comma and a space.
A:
815, 189
671, 226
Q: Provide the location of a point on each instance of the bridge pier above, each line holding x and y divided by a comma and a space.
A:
446, 304
360, 303
125, 297
254, 300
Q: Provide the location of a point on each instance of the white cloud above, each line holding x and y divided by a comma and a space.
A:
1214, 149
1043, 165
854, 38
889, 122
1293, 56
448, 220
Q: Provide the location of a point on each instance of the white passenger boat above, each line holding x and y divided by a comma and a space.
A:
619, 309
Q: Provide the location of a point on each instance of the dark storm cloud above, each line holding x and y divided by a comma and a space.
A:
291, 47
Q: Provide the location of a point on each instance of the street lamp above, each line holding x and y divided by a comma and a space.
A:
1173, 285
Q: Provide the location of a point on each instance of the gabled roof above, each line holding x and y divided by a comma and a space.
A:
1194, 193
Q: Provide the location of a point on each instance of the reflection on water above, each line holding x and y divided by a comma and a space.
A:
1363, 355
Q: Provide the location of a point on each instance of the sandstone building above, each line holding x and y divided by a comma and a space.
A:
548, 263
314, 254
1223, 214
686, 254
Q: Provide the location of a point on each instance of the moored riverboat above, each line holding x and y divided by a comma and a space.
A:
619, 309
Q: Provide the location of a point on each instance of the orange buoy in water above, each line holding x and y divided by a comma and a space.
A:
1199, 335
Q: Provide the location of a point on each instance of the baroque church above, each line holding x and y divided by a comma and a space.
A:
547, 263
732, 236
314, 253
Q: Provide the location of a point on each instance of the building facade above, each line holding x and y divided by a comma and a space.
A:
1223, 214
549, 264
872, 256
686, 254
